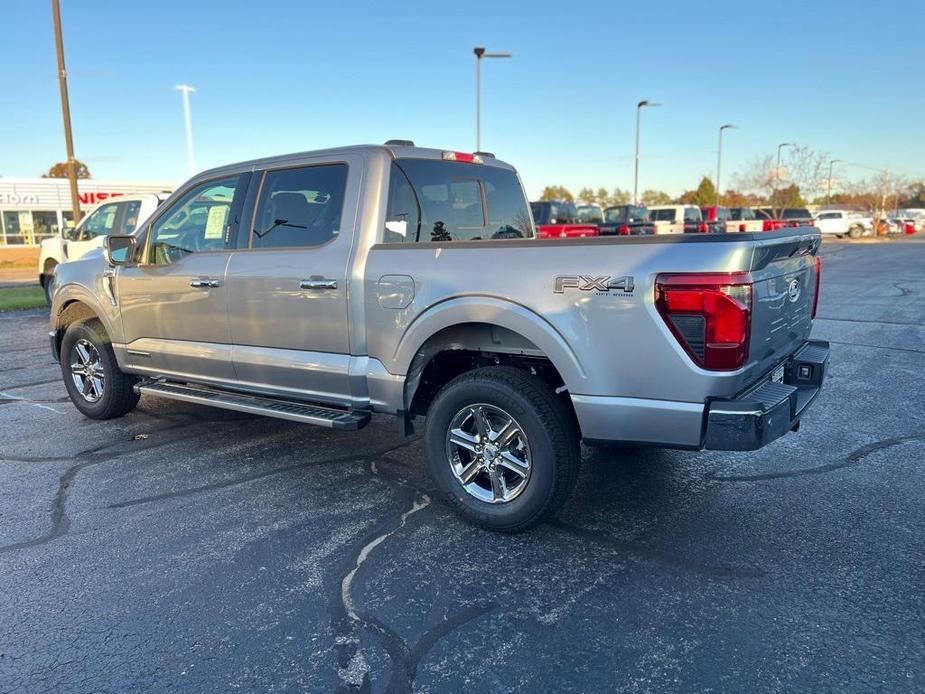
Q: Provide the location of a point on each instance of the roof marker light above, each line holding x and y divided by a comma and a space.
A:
463, 157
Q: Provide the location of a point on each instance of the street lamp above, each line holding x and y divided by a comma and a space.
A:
641, 105
479, 54
777, 170
828, 187
719, 159
185, 90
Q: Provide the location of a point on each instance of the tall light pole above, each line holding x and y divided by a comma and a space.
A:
777, 170
641, 105
479, 54
828, 183
66, 113
185, 90
719, 160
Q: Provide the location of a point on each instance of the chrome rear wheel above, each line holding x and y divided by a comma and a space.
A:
488, 453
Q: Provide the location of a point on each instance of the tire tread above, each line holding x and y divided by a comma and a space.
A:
558, 422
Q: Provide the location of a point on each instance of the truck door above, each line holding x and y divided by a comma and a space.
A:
174, 302
830, 223
287, 284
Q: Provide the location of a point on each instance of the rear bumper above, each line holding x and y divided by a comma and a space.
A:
768, 410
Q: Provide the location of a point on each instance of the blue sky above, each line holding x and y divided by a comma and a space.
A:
273, 76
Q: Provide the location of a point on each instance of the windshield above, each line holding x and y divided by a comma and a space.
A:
626, 214
543, 212
741, 213
590, 213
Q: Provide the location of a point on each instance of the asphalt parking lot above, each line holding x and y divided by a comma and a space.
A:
184, 548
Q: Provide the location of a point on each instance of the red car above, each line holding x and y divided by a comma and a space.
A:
717, 219
559, 220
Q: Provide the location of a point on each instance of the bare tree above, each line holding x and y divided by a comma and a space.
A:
803, 173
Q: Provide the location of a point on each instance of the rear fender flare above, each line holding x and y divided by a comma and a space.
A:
497, 312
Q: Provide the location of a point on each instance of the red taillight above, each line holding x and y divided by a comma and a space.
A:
742, 227
818, 285
709, 314
624, 230
703, 228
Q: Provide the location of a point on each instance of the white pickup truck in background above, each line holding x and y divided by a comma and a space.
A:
120, 215
843, 222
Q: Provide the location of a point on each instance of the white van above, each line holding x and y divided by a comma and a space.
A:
677, 219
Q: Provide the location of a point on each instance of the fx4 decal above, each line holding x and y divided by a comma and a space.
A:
591, 283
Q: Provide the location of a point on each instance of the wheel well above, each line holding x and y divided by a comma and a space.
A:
50, 264
460, 348
73, 312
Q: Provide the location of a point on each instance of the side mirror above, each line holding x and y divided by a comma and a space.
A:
119, 250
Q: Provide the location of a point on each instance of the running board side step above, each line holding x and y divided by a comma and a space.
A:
255, 404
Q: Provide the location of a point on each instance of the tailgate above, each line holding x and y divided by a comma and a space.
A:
784, 289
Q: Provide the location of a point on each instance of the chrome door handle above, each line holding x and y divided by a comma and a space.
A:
318, 283
204, 283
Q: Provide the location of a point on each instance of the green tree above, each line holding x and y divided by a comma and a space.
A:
59, 170
704, 196
733, 198
557, 193
617, 197
587, 195
655, 197
788, 197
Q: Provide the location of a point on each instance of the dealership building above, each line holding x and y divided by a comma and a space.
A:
32, 209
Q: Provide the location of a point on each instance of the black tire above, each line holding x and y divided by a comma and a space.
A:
118, 396
548, 425
855, 232
48, 285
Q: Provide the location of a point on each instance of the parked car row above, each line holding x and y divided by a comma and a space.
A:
561, 219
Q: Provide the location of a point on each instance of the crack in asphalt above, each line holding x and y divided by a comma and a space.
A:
853, 458
244, 479
871, 322
60, 522
892, 349
629, 550
653, 555
33, 383
903, 291
349, 621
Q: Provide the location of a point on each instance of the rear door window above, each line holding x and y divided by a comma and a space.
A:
692, 214
667, 215
300, 207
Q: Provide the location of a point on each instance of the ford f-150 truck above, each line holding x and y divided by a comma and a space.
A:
327, 286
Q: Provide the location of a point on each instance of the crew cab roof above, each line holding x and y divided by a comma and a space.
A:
392, 151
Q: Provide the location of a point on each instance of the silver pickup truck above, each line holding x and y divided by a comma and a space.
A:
327, 286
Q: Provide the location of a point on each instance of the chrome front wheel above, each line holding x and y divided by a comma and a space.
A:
87, 371
488, 453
